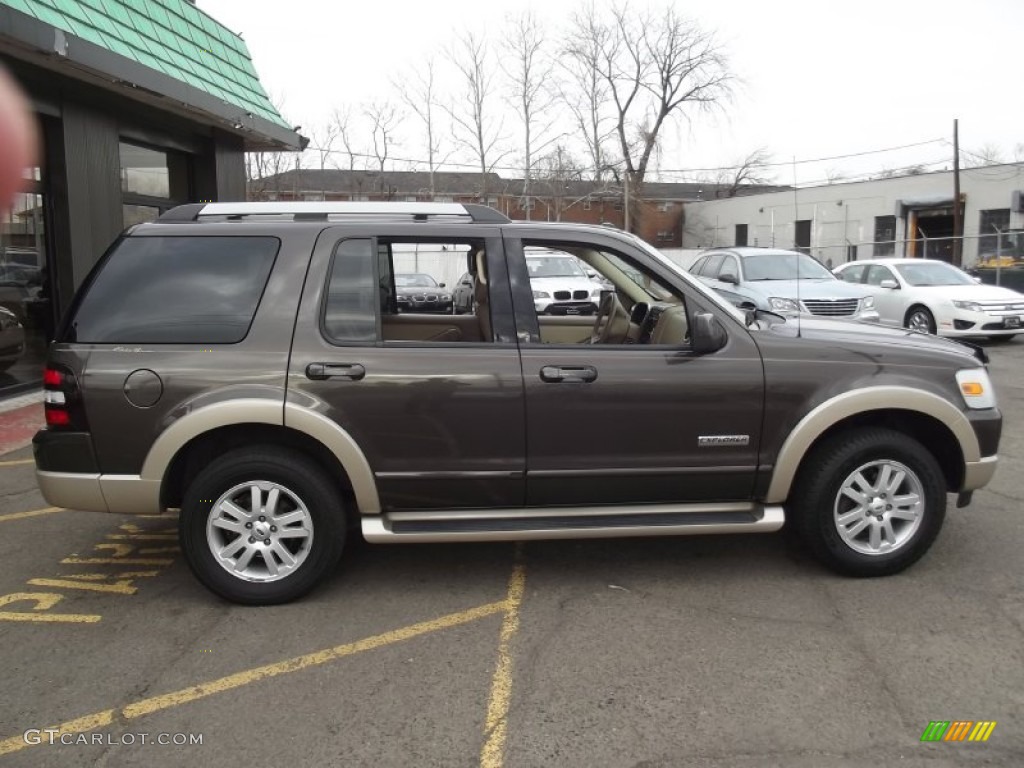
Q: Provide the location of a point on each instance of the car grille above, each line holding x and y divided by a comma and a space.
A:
563, 295
579, 295
1001, 308
425, 297
832, 307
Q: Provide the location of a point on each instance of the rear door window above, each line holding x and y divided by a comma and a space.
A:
175, 290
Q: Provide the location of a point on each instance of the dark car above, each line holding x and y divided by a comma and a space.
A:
421, 293
259, 378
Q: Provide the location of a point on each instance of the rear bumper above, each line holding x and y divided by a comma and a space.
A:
123, 494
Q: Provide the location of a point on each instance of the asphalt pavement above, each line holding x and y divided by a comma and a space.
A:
704, 651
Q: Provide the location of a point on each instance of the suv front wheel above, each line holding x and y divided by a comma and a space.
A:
870, 502
261, 526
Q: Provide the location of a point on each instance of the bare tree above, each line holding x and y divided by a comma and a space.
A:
384, 119
477, 128
586, 93
656, 67
420, 95
752, 169
556, 171
263, 169
834, 176
322, 140
529, 68
987, 154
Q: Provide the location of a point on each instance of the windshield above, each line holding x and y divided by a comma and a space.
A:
933, 273
554, 266
415, 281
784, 266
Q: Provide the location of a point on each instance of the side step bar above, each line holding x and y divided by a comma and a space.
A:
571, 522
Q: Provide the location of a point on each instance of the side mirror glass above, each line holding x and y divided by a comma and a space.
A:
728, 277
440, 285
708, 334
890, 284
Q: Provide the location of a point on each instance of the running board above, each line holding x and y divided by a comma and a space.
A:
571, 522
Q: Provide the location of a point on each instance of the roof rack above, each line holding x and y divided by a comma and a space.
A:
312, 211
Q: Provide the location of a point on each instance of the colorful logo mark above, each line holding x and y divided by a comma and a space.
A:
958, 730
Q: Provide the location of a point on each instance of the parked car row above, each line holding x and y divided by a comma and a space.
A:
923, 295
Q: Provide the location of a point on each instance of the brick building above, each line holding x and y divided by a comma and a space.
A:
657, 208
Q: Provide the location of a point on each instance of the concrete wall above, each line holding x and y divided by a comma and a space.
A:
844, 214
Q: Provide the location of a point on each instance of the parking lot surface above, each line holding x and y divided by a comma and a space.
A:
704, 651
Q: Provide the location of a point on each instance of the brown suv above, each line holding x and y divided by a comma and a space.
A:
248, 364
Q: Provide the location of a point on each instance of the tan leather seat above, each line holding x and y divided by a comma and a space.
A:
483, 307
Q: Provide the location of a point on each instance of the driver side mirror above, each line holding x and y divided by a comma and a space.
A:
708, 334
728, 277
440, 285
890, 284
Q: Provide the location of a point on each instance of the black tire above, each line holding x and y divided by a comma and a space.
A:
817, 501
925, 316
299, 476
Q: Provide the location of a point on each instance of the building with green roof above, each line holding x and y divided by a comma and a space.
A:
141, 105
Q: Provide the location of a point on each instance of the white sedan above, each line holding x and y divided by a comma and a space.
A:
936, 297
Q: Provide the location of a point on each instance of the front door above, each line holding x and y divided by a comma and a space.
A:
434, 399
636, 418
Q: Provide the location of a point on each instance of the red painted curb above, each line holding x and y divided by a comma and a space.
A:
18, 426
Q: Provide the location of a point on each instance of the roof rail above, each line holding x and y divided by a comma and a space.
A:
314, 211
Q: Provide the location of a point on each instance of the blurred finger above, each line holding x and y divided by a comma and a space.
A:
17, 139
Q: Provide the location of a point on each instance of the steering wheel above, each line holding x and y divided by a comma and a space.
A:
609, 314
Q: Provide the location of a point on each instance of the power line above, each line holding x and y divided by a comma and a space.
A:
515, 169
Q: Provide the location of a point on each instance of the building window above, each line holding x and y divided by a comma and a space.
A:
802, 235
885, 236
313, 197
741, 235
664, 235
992, 223
144, 171
586, 204
665, 205
526, 203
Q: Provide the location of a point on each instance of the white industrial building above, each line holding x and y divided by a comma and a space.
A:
902, 216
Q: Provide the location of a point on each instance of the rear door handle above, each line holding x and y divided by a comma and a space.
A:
569, 374
322, 371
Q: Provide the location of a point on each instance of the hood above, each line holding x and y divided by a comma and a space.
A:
563, 284
852, 332
970, 292
415, 290
808, 289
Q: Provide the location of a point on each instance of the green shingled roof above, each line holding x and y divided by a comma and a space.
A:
170, 36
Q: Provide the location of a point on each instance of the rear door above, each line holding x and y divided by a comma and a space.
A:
435, 401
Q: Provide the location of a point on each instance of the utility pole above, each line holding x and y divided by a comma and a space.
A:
625, 203
958, 224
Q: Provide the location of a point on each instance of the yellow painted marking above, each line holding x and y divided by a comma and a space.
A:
30, 513
102, 576
187, 695
496, 726
81, 725
44, 601
118, 550
116, 561
118, 587
143, 536
17, 462
159, 550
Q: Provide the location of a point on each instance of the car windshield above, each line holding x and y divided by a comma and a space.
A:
933, 273
554, 266
784, 266
415, 281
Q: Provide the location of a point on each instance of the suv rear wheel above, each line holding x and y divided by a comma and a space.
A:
870, 502
261, 526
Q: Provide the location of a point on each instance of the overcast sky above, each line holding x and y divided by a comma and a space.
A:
819, 79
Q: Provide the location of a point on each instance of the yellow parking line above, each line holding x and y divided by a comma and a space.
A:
496, 725
195, 692
17, 462
31, 513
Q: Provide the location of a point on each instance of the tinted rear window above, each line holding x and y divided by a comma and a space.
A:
175, 290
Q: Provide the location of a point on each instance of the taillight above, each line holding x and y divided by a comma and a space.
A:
61, 401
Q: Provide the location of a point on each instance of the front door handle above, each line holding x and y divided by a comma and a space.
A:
569, 374
322, 371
